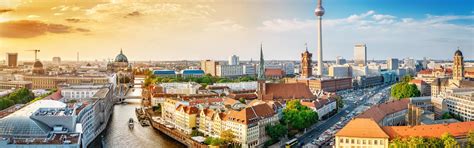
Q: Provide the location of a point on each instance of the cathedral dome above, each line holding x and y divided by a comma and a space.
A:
458, 53
38, 64
121, 57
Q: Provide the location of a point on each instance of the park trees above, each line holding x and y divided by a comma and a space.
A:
405, 90
298, 116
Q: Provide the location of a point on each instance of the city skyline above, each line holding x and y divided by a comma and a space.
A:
99, 29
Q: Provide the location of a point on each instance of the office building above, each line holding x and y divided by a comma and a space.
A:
57, 60
249, 69
360, 55
229, 70
12, 59
392, 64
209, 67
340, 71
340, 60
233, 60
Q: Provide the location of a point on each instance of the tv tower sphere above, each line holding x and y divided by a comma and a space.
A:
319, 11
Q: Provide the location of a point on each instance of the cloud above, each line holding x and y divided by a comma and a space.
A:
58, 14
225, 25
281, 25
5, 10
132, 14
33, 28
83, 30
33, 16
74, 20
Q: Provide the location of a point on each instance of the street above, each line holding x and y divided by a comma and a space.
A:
350, 105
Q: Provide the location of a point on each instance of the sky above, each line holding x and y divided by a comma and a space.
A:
216, 29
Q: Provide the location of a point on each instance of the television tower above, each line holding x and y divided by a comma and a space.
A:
319, 12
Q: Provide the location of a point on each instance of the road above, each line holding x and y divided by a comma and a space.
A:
326, 124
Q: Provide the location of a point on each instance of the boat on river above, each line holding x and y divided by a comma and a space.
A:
130, 123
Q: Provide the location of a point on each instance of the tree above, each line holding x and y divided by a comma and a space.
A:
227, 136
470, 138
404, 90
299, 116
449, 141
447, 115
242, 100
434, 142
339, 102
276, 131
416, 142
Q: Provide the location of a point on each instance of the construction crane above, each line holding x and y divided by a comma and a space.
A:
36, 53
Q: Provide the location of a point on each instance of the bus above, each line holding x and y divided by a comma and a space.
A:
292, 143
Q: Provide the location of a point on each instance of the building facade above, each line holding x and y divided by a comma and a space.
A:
360, 55
209, 67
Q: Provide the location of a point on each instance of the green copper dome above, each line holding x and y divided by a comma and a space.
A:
121, 57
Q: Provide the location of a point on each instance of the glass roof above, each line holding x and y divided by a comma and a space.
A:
19, 123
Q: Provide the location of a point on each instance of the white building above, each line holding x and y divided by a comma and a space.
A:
392, 64
339, 71
229, 70
460, 101
180, 88
234, 60
360, 54
249, 69
239, 86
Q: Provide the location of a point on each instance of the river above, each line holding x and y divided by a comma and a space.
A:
118, 135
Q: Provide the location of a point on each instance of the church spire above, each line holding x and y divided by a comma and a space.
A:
261, 72
306, 46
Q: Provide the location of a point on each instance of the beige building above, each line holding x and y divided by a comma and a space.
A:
49, 82
185, 118
209, 67
362, 132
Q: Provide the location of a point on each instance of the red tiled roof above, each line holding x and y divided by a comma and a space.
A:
274, 72
362, 128
54, 96
378, 112
287, 91
246, 96
426, 71
459, 130
251, 114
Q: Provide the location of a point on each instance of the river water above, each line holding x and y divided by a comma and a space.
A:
118, 135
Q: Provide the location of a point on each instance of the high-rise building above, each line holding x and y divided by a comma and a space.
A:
233, 60
360, 54
57, 60
458, 65
306, 67
392, 63
209, 67
340, 60
319, 12
12, 59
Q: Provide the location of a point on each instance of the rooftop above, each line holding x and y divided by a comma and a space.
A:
363, 128
459, 129
378, 112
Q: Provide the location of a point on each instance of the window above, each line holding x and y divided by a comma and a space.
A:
358, 141
352, 141
381, 142
375, 142
369, 142
341, 140
363, 141
347, 140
